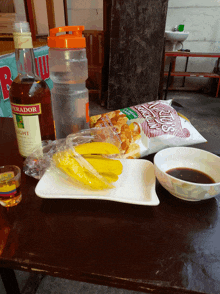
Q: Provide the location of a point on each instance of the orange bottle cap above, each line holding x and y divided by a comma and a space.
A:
72, 40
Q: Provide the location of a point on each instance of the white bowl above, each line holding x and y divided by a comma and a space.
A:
187, 157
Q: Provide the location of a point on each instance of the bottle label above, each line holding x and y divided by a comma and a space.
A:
24, 109
7, 189
23, 40
27, 127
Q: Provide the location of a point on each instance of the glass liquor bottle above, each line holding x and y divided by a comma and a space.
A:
30, 96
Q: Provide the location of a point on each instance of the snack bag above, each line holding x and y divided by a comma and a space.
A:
147, 128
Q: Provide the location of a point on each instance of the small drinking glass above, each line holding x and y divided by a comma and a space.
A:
10, 185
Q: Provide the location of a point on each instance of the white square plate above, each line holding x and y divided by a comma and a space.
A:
136, 185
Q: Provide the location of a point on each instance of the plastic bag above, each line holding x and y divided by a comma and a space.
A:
147, 128
85, 159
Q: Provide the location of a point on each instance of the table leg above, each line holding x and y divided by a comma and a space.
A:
217, 88
218, 79
173, 68
217, 64
9, 280
184, 78
168, 79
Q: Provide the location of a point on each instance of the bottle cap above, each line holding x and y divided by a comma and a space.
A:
22, 35
21, 27
72, 40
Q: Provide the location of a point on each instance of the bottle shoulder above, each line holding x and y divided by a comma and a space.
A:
28, 79
29, 90
30, 82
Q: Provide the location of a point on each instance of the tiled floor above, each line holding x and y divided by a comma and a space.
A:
49, 285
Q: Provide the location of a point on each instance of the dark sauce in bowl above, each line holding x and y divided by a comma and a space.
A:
190, 175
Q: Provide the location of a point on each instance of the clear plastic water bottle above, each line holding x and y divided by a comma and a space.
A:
68, 67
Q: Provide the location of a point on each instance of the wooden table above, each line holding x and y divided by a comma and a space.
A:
170, 248
173, 73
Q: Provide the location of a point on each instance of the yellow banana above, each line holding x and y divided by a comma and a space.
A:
69, 165
97, 148
104, 165
93, 171
110, 177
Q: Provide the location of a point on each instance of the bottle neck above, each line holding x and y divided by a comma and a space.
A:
25, 62
24, 54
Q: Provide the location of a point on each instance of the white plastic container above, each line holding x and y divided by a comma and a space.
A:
68, 67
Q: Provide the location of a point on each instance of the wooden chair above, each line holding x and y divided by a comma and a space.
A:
7, 23
95, 56
94, 44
